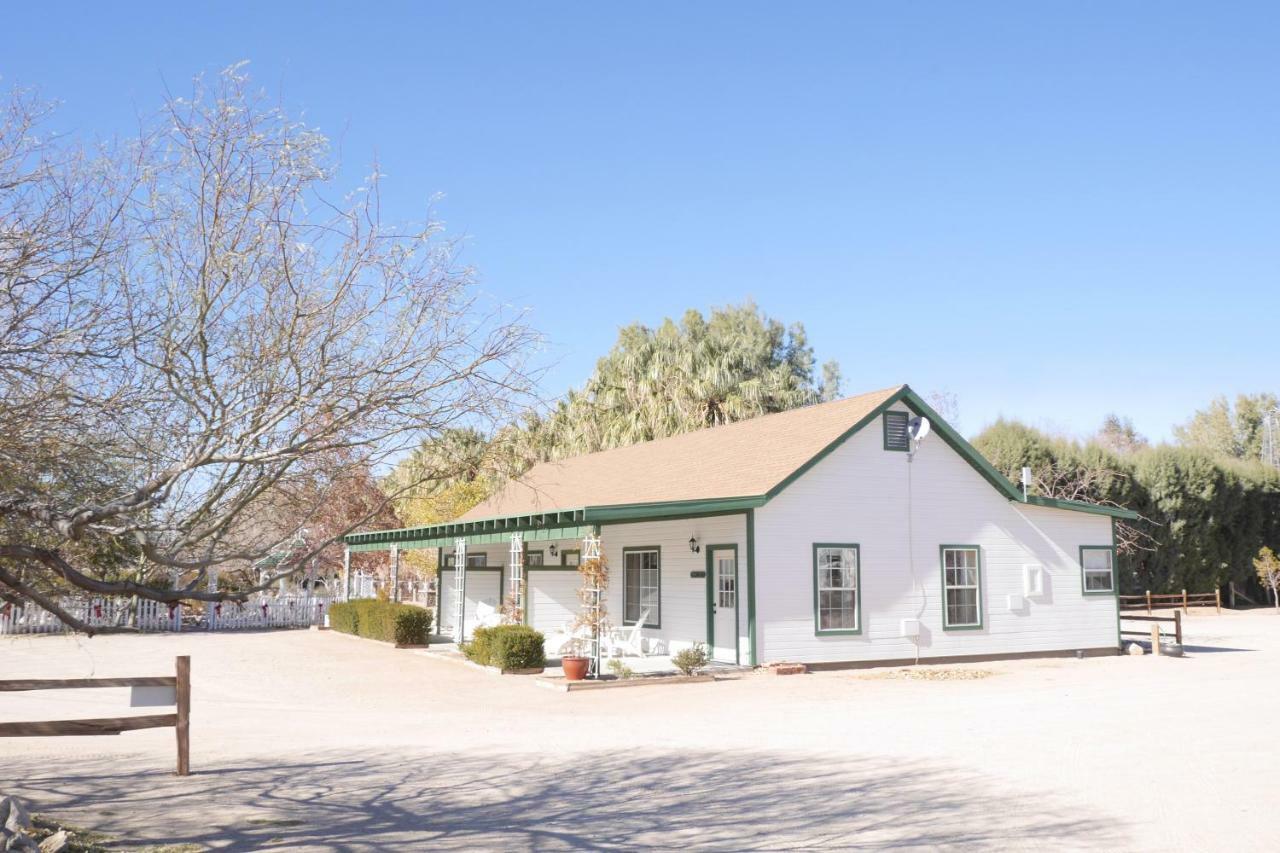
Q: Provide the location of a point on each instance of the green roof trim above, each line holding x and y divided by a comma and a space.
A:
550, 525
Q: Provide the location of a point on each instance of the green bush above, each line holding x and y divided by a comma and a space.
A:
381, 620
507, 647
412, 626
690, 659
342, 617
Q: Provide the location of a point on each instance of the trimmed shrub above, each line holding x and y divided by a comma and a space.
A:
412, 625
518, 647
507, 647
342, 617
381, 620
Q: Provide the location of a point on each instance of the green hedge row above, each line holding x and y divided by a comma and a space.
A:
507, 647
382, 620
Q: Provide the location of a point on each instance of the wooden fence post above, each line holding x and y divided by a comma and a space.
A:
1217, 599
1177, 626
1184, 602
1148, 602
1155, 639
183, 671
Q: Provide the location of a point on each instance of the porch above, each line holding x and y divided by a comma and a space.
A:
665, 589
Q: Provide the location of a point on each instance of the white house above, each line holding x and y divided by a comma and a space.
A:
823, 535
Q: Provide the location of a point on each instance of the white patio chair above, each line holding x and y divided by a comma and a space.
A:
487, 616
628, 641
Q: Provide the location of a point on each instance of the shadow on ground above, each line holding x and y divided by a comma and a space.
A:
662, 800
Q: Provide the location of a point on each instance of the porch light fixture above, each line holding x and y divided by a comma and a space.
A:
552, 549
693, 544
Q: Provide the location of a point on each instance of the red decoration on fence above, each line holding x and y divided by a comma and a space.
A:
217, 609
172, 607
97, 611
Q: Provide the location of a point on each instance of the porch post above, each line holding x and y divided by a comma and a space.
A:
516, 581
346, 573
459, 587
395, 572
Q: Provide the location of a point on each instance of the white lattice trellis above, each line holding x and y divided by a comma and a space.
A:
516, 581
591, 551
459, 587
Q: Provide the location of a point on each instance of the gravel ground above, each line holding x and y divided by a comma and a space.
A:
316, 741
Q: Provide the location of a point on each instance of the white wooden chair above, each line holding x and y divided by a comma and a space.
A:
487, 616
628, 641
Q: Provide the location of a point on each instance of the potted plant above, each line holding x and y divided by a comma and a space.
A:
592, 620
575, 663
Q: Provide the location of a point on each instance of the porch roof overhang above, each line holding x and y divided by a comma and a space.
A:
556, 524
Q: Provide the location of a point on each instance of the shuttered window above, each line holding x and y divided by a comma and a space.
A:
896, 436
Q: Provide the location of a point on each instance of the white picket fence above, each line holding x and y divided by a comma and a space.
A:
155, 616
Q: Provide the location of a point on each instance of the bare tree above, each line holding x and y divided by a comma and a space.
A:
1084, 483
189, 327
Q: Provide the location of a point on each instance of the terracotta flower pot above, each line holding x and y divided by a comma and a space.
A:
575, 667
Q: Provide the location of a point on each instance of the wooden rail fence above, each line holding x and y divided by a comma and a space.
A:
1162, 600
1154, 632
146, 691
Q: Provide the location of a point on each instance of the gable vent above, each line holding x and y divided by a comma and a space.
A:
896, 436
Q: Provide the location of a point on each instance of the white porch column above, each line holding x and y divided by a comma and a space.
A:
346, 573
459, 587
395, 572
516, 582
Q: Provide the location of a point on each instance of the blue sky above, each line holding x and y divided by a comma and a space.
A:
1051, 210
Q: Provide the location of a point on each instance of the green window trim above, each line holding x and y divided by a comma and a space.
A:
818, 630
942, 565
1084, 586
564, 557
656, 549
529, 552
895, 424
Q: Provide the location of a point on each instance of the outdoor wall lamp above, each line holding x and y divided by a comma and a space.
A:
552, 549
693, 544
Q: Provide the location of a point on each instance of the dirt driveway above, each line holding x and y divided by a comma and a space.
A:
314, 741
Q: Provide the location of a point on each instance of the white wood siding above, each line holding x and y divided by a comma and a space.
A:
684, 598
862, 493
553, 598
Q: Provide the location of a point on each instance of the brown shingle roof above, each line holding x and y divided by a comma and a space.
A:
743, 459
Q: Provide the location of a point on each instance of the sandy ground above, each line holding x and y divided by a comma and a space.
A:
315, 741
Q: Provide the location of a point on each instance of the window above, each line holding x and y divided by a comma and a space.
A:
570, 557
835, 588
726, 579
474, 561
896, 435
1098, 565
641, 590
533, 558
961, 586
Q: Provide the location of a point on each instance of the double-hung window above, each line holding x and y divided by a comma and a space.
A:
961, 587
474, 561
533, 558
835, 588
1098, 565
642, 587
